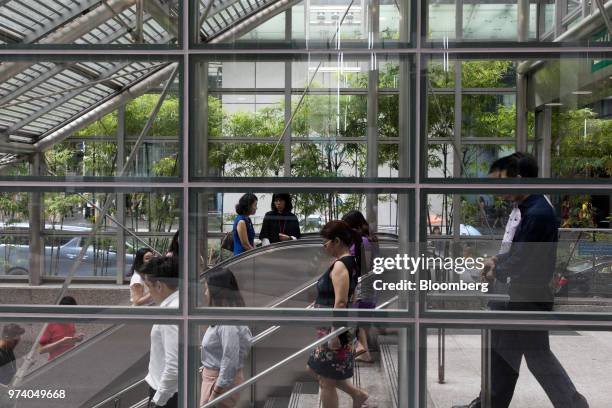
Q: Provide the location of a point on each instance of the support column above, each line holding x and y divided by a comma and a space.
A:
120, 216
545, 144
372, 115
36, 220
523, 20
521, 84
199, 159
288, 107
521, 113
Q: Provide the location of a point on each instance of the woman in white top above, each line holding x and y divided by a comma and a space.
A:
224, 348
139, 295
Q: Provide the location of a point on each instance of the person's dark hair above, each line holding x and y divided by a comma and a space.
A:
223, 289
436, 228
68, 300
357, 221
286, 198
163, 269
139, 260
174, 244
244, 204
516, 164
342, 231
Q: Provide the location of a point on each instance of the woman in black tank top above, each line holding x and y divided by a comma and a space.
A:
332, 362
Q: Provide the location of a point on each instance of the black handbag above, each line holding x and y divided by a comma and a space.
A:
227, 242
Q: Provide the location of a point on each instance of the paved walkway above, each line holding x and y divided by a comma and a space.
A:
586, 356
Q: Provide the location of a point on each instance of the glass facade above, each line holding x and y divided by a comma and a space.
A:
176, 129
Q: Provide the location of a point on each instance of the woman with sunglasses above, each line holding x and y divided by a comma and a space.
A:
332, 362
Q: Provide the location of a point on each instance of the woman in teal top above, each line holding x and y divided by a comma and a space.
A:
243, 231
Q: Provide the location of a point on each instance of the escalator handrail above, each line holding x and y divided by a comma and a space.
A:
276, 246
286, 360
256, 251
109, 399
69, 353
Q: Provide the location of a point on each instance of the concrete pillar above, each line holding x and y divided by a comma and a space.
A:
36, 219
521, 113
523, 20
199, 159
120, 216
288, 81
372, 115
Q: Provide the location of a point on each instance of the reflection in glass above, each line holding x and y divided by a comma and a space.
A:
564, 121
76, 242
320, 127
283, 272
86, 370
581, 264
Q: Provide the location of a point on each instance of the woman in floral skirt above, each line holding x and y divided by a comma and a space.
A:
332, 362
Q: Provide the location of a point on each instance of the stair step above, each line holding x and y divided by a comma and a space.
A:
389, 360
277, 402
304, 395
372, 378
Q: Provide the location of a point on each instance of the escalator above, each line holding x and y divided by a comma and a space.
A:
289, 268
119, 352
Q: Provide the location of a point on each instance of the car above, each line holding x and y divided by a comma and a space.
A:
586, 278
58, 258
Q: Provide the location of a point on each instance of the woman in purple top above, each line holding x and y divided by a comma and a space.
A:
365, 295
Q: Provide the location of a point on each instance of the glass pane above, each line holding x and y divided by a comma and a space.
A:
454, 371
498, 21
76, 242
94, 119
372, 375
317, 23
62, 354
565, 118
564, 276
120, 23
287, 255
317, 128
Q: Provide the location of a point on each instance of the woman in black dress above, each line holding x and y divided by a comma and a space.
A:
332, 362
280, 224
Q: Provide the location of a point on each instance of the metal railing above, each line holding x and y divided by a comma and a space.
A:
264, 334
287, 360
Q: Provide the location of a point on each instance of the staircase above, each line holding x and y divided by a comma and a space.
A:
379, 379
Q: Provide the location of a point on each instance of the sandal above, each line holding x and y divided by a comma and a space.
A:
363, 360
366, 404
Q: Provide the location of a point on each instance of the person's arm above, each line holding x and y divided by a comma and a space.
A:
136, 292
169, 378
144, 299
44, 345
341, 281
525, 250
230, 344
265, 228
49, 348
243, 235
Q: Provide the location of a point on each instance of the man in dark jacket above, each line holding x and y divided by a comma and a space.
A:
529, 266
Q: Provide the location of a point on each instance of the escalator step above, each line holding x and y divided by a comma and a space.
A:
277, 402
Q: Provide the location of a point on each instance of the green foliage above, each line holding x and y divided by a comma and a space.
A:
583, 144
166, 167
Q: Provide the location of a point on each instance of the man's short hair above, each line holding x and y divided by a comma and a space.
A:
516, 164
12, 330
164, 269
